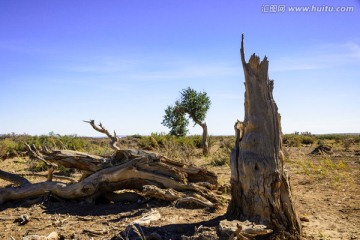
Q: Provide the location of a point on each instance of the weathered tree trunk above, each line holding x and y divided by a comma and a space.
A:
204, 141
205, 135
260, 186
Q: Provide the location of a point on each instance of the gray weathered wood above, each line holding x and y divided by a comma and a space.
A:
126, 169
14, 178
260, 186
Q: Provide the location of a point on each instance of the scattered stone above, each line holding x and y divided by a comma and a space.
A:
152, 216
246, 229
51, 236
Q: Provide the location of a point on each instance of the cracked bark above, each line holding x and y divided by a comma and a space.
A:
205, 134
125, 169
260, 186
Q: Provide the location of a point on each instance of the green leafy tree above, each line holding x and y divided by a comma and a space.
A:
176, 121
194, 105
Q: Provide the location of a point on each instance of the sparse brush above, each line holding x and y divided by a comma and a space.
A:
220, 158
228, 143
180, 148
325, 168
12, 144
8, 147
296, 140
347, 143
65, 171
219, 161
37, 166
180, 151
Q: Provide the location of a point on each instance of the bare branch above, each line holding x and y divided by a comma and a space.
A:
101, 129
50, 174
35, 153
71, 159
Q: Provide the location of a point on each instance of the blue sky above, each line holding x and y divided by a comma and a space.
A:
122, 62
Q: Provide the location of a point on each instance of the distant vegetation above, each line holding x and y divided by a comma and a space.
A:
184, 148
13, 144
298, 139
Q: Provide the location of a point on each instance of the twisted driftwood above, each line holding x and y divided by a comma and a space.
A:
152, 175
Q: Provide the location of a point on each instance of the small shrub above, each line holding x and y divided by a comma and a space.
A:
227, 143
347, 143
219, 160
181, 148
194, 141
99, 149
295, 140
178, 148
65, 171
8, 147
136, 136
37, 166
72, 142
307, 140
291, 140
221, 157
145, 143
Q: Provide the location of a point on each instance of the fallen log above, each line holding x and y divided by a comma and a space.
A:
125, 169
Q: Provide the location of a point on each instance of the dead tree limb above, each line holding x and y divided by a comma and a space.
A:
71, 159
51, 167
34, 152
101, 129
127, 169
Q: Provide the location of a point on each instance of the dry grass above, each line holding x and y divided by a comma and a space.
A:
325, 187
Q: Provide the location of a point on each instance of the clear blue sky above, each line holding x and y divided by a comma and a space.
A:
123, 61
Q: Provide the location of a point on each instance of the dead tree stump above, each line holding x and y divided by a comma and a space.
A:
260, 186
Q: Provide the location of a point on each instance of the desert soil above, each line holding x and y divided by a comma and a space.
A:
325, 189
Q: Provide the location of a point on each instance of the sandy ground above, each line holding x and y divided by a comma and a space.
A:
325, 189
